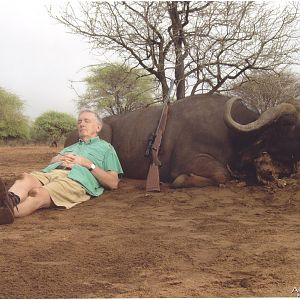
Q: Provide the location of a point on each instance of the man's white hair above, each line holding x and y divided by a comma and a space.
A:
98, 118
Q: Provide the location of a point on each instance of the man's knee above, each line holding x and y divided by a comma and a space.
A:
28, 180
26, 177
22, 176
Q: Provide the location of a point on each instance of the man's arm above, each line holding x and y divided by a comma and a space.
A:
108, 179
56, 158
62, 158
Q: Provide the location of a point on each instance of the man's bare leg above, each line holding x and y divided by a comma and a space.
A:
24, 184
38, 198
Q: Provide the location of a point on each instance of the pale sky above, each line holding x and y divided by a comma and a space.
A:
38, 58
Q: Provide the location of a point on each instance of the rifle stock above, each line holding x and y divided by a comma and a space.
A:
152, 183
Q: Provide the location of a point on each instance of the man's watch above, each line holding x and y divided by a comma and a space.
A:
92, 167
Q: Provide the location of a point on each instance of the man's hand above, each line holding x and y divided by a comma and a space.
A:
108, 179
70, 159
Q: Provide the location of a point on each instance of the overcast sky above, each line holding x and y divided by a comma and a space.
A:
38, 58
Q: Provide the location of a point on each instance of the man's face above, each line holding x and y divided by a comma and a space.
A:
88, 126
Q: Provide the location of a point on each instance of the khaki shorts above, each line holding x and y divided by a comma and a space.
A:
62, 190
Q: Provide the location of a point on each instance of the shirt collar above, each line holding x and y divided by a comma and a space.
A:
90, 141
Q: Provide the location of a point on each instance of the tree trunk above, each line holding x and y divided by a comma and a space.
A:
177, 34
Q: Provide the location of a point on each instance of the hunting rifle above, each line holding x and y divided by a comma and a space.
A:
152, 183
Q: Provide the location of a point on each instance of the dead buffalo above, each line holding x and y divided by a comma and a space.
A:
207, 139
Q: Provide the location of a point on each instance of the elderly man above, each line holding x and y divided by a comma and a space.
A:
77, 173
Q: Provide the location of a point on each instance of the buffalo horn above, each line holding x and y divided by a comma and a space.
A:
267, 117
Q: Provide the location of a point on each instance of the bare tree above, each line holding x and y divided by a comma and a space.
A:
202, 44
265, 89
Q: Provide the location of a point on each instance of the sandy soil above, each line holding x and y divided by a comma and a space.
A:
211, 242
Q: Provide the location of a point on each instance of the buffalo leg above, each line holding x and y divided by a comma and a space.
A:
185, 181
203, 170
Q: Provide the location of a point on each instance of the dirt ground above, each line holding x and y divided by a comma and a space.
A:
236, 241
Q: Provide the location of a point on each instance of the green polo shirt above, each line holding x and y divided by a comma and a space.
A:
101, 153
